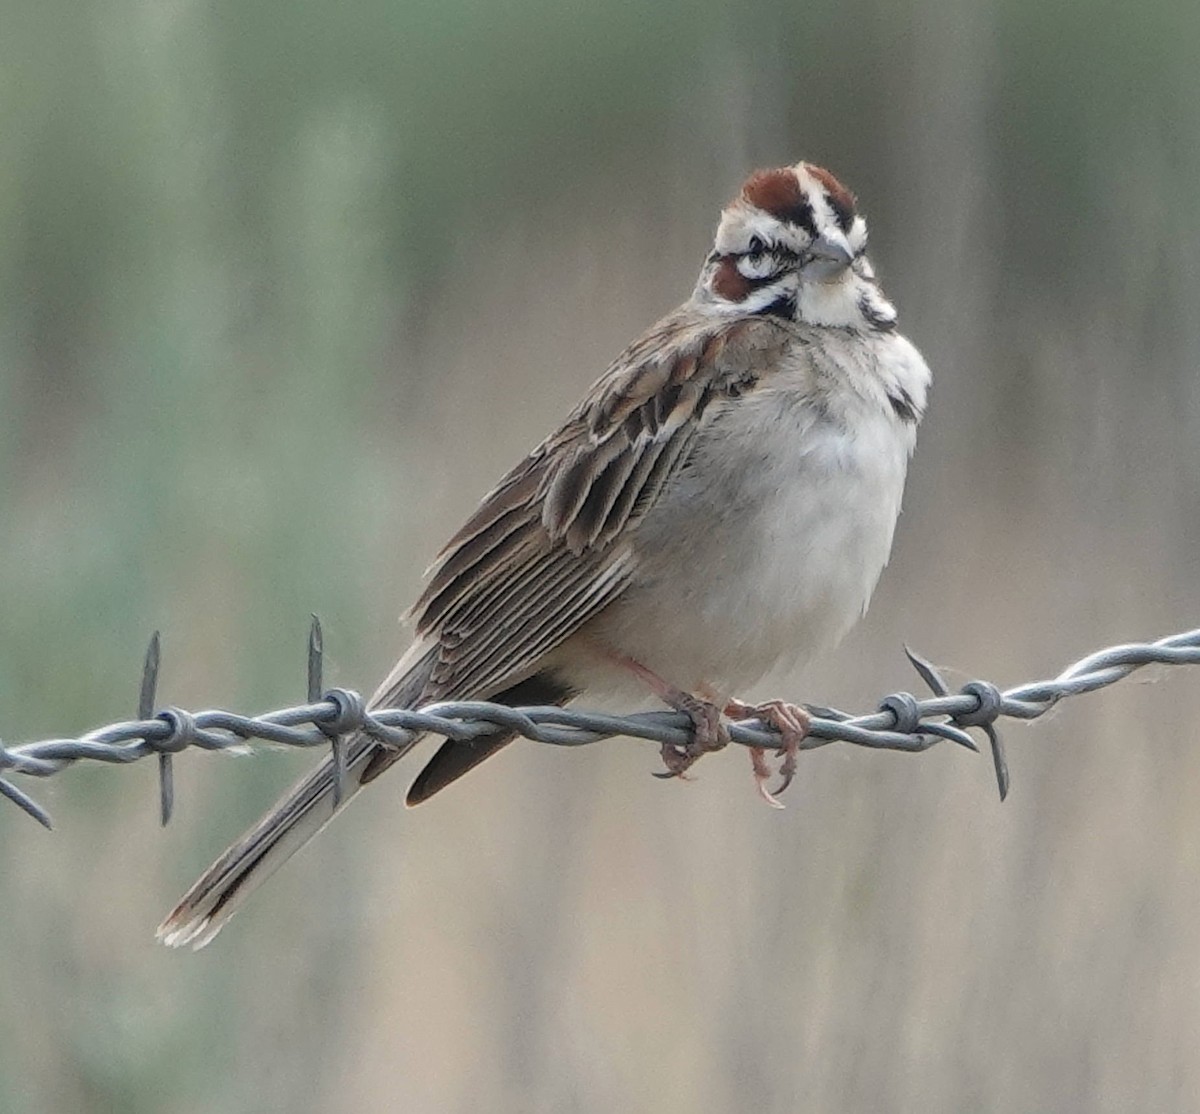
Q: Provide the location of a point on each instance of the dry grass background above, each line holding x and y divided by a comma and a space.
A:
286, 288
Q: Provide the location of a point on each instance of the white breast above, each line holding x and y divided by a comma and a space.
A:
764, 551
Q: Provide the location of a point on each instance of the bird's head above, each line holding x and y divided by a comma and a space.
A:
792, 244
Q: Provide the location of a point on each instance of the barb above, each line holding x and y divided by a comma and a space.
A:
902, 722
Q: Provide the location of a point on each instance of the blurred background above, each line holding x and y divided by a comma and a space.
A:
285, 287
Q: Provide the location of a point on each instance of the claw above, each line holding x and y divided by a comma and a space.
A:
787, 769
708, 733
792, 723
762, 774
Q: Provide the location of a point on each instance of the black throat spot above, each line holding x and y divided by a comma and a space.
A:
784, 306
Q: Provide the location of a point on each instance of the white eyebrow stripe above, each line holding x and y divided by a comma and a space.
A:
768, 265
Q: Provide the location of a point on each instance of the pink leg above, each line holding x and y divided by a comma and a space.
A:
708, 732
792, 723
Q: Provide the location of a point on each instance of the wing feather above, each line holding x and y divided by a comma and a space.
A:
555, 541
549, 594
538, 629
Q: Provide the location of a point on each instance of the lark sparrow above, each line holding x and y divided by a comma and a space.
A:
720, 505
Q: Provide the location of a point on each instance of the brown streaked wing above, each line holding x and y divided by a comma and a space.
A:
501, 526
511, 646
544, 551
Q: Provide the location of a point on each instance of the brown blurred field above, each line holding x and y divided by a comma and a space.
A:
286, 286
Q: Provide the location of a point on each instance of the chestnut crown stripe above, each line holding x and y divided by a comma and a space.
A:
792, 244
778, 192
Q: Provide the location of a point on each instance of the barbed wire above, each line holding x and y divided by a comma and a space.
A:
902, 721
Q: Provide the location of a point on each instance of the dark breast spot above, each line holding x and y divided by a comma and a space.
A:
877, 317
903, 405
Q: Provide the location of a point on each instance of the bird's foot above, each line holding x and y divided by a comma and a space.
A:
792, 722
709, 732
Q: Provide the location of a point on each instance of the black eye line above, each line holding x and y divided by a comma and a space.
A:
758, 247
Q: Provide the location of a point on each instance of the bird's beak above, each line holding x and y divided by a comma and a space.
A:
828, 258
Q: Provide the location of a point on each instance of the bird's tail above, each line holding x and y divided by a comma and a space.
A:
219, 892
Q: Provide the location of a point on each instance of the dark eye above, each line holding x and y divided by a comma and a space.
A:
756, 246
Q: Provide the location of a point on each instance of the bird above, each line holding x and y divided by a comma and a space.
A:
717, 510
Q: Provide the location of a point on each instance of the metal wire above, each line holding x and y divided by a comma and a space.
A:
902, 722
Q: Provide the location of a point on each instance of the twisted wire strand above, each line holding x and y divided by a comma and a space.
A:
902, 722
